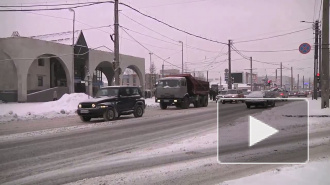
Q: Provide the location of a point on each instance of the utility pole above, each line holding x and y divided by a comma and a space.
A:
229, 65
116, 48
207, 75
74, 18
325, 56
251, 74
316, 26
163, 70
320, 57
182, 55
276, 76
298, 83
303, 83
281, 75
291, 79
151, 71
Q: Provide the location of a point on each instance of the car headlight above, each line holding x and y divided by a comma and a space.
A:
175, 101
79, 105
158, 101
103, 106
93, 105
233, 96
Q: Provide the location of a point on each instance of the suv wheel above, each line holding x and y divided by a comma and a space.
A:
138, 111
163, 105
85, 118
109, 115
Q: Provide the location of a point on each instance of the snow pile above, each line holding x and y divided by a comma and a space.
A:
66, 105
150, 102
315, 107
312, 173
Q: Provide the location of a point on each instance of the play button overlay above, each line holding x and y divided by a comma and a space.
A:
259, 134
259, 131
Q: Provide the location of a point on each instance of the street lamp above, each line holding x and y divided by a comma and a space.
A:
182, 54
74, 17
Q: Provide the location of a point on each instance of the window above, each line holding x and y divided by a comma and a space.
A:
41, 62
135, 91
127, 80
40, 81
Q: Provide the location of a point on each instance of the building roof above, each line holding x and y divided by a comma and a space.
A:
61, 37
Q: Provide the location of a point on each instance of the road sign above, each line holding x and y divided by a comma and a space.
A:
305, 48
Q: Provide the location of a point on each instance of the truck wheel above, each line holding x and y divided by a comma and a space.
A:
163, 105
85, 118
185, 104
138, 111
206, 102
196, 104
109, 115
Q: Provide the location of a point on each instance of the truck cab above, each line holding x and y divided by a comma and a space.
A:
181, 90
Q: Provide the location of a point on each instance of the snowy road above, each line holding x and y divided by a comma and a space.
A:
127, 148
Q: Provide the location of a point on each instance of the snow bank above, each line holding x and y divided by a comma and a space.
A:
315, 107
316, 172
150, 102
66, 105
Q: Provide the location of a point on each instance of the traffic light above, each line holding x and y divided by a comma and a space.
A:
318, 77
269, 81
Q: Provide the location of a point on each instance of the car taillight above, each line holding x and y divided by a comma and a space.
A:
282, 94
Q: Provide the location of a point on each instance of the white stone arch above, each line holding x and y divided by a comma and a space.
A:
137, 71
107, 69
48, 57
8, 70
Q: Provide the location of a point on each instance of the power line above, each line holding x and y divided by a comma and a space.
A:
188, 2
178, 29
275, 36
52, 9
149, 49
188, 46
52, 5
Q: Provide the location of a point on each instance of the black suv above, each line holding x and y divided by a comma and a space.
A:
111, 102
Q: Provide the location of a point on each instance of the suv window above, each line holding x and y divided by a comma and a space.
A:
135, 91
125, 91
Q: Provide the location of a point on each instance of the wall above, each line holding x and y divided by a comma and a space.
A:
8, 74
34, 72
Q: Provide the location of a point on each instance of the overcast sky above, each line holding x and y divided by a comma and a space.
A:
220, 20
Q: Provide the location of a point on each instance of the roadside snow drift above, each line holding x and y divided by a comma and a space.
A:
66, 105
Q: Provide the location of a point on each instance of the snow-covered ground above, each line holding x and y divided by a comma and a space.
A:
66, 105
316, 172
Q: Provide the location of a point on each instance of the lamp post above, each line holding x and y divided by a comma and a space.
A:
182, 56
74, 18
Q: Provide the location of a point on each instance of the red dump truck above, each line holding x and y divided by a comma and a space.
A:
181, 90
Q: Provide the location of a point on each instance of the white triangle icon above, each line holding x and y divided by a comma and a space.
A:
259, 131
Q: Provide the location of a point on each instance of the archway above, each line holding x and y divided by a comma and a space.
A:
47, 74
103, 69
8, 70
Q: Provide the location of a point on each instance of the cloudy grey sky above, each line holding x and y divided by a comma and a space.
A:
220, 20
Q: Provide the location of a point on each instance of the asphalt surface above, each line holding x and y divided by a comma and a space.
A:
65, 157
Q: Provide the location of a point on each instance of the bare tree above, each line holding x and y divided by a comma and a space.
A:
153, 68
200, 75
